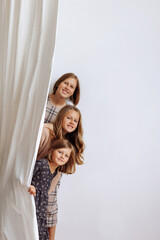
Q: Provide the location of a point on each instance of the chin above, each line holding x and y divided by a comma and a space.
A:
70, 130
65, 95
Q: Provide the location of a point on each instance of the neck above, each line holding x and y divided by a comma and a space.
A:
52, 166
57, 100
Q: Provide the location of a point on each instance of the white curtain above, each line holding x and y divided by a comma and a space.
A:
27, 40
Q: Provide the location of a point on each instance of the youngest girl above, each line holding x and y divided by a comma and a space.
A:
61, 158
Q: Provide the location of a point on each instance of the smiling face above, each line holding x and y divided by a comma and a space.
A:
66, 88
61, 156
70, 121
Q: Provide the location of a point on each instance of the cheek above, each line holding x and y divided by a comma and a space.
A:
66, 160
53, 156
63, 85
76, 124
64, 123
60, 86
73, 90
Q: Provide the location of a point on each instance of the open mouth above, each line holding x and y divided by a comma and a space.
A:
70, 126
65, 91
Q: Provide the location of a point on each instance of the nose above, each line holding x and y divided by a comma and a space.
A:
72, 121
62, 155
67, 87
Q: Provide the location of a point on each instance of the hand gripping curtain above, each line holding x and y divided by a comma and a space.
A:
27, 39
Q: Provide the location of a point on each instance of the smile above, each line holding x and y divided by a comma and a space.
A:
65, 91
61, 160
70, 126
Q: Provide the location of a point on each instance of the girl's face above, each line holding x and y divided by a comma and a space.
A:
70, 121
61, 156
67, 87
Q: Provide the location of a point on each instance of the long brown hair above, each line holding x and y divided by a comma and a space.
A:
76, 95
75, 137
70, 166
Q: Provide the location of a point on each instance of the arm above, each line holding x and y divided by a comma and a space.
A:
44, 143
37, 170
52, 231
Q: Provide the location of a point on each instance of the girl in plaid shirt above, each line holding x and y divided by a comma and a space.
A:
65, 88
68, 125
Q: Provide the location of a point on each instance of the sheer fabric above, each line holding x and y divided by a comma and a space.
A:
27, 40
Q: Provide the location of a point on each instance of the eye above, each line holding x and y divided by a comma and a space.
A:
72, 87
66, 156
68, 117
59, 151
76, 121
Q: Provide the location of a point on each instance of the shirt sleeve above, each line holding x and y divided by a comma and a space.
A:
44, 143
37, 167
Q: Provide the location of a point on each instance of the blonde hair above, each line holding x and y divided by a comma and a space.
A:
70, 166
75, 137
76, 95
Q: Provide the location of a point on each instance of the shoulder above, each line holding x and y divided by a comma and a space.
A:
42, 162
48, 126
45, 135
46, 132
50, 101
68, 102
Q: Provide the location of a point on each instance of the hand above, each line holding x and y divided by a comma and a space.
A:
32, 190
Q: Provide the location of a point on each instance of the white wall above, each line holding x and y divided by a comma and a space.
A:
114, 48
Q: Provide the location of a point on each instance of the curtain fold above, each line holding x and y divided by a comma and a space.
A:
27, 41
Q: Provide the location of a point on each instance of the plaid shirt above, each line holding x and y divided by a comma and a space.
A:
51, 112
52, 208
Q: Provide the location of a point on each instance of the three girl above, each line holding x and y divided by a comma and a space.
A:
61, 157
67, 124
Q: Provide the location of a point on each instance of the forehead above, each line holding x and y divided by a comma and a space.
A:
73, 113
71, 80
65, 150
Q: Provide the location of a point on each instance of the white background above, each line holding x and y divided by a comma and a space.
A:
114, 48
